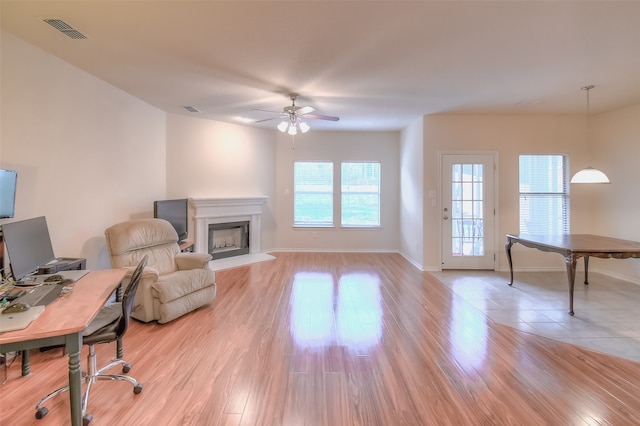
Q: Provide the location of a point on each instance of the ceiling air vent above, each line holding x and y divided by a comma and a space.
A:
191, 109
65, 28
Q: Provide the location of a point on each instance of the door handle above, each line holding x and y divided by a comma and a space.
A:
446, 217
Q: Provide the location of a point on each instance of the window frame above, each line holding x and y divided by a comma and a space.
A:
297, 223
537, 175
377, 194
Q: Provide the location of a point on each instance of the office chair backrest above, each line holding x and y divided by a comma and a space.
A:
129, 297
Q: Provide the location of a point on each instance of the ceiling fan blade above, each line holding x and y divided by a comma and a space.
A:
268, 119
267, 110
322, 117
304, 110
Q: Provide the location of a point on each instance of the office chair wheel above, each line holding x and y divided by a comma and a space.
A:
86, 419
41, 412
137, 388
126, 368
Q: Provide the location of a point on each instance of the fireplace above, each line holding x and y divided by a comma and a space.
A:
228, 239
220, 212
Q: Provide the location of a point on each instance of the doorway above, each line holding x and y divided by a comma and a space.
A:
468, 211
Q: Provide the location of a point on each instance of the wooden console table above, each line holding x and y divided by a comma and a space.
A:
573, 247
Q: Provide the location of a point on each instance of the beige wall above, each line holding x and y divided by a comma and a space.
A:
211, 159
88, 154
508, 136
614, 209
338, 147
413, 196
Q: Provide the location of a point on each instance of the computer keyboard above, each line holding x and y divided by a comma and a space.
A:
41, 295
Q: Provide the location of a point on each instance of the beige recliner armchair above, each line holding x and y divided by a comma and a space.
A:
173, 283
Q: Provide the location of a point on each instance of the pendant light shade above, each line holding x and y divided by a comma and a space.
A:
589, 174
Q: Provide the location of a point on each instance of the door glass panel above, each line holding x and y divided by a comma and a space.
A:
467, 231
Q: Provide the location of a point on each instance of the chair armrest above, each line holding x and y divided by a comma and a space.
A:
185, 261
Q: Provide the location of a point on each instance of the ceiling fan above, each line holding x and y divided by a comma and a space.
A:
292, 116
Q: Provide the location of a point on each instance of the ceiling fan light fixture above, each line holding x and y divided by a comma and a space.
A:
292, 117
283, 126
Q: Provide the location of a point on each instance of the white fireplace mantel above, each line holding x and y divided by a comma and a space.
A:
227, 209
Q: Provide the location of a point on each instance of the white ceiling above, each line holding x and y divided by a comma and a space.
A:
379, 65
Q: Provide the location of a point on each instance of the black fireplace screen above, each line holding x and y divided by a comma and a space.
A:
228, 239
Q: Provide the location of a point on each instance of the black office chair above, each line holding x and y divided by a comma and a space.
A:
107, 330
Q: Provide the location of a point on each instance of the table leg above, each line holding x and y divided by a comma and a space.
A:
507, 247
73, 345
571, 275
26, 363
586, 270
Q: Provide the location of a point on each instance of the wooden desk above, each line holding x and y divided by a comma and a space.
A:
573, 247
63, 321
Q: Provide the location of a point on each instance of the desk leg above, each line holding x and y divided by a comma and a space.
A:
507, 247
586, 270
26, 362
73, 345
571, 275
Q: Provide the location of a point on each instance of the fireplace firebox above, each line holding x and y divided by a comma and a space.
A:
228, 239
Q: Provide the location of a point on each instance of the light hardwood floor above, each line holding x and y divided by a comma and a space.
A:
339, 339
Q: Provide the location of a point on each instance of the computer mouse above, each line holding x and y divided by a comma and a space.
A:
55, 277
14, 309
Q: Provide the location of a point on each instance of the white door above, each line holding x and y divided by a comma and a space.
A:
468, 211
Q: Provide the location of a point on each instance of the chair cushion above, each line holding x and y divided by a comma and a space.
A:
177, 284
107, 315
176, 308
129, 241
139, 234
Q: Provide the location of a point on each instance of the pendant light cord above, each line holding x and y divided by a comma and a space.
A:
588, 89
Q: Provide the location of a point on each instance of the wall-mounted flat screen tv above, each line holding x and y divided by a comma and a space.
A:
176, 213
8, 181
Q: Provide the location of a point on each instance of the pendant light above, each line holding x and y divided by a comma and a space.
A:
589, 174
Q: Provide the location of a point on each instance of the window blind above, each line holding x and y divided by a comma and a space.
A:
360, 194
313, 193
544, 194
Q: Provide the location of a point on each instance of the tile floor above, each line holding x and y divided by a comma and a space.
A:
606, 319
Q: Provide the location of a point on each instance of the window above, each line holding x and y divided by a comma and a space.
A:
544, 194
467, 209
360, 191
313, 193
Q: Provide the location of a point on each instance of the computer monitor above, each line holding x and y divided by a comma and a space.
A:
176, 213
28, 245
